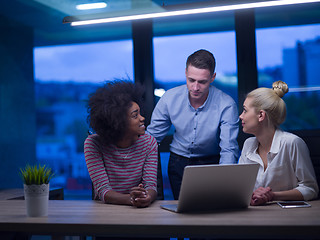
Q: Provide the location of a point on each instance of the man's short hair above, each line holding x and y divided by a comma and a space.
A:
202, 59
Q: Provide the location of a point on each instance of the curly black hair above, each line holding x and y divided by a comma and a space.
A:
108, 107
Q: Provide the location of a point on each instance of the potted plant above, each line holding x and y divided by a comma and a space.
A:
36, 189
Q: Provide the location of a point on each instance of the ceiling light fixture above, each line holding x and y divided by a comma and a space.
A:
190, 11
89, 6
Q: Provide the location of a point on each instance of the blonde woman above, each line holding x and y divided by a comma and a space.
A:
286, 171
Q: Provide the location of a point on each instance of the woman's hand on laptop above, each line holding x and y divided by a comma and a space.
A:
261, 196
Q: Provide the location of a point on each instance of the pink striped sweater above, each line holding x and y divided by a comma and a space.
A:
120, 169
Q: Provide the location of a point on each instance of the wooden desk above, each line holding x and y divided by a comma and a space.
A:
94, 218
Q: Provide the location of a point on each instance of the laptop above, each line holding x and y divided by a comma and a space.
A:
213, 187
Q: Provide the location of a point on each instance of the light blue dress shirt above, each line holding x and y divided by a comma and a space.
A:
212, 129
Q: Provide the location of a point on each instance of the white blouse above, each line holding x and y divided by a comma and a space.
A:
289, 165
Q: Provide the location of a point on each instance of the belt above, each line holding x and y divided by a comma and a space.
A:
203, 158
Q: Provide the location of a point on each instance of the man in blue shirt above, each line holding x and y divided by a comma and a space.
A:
204, 117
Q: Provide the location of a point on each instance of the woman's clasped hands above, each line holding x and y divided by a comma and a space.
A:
261, 196
139, 196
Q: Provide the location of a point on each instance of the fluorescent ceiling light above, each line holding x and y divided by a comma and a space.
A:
89, 6
304, 89
193, 11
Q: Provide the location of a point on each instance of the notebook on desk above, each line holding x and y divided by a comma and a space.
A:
212, 187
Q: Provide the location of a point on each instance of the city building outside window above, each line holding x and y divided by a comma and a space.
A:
292, 54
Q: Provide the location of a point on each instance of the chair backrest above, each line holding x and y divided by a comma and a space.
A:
312, 139
160, 195
92, 192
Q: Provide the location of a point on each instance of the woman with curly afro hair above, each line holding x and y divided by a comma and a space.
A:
121, 159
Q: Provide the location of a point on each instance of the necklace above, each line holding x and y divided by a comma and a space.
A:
124, 156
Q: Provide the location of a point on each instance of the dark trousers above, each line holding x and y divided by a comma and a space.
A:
177, 164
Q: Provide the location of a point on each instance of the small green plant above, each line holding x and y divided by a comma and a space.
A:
36, 174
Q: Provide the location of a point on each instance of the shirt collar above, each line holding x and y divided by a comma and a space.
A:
253, 148
211, 89
275, 146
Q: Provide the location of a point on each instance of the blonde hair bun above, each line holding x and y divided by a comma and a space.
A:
280, 88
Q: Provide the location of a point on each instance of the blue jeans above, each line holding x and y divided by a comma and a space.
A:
177, 164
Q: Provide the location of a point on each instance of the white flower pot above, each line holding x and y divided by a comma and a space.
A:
36, 199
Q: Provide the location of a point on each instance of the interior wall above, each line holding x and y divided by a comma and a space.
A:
17, 105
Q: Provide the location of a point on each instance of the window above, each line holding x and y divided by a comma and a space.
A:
170, 55
65, 76
292, 54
